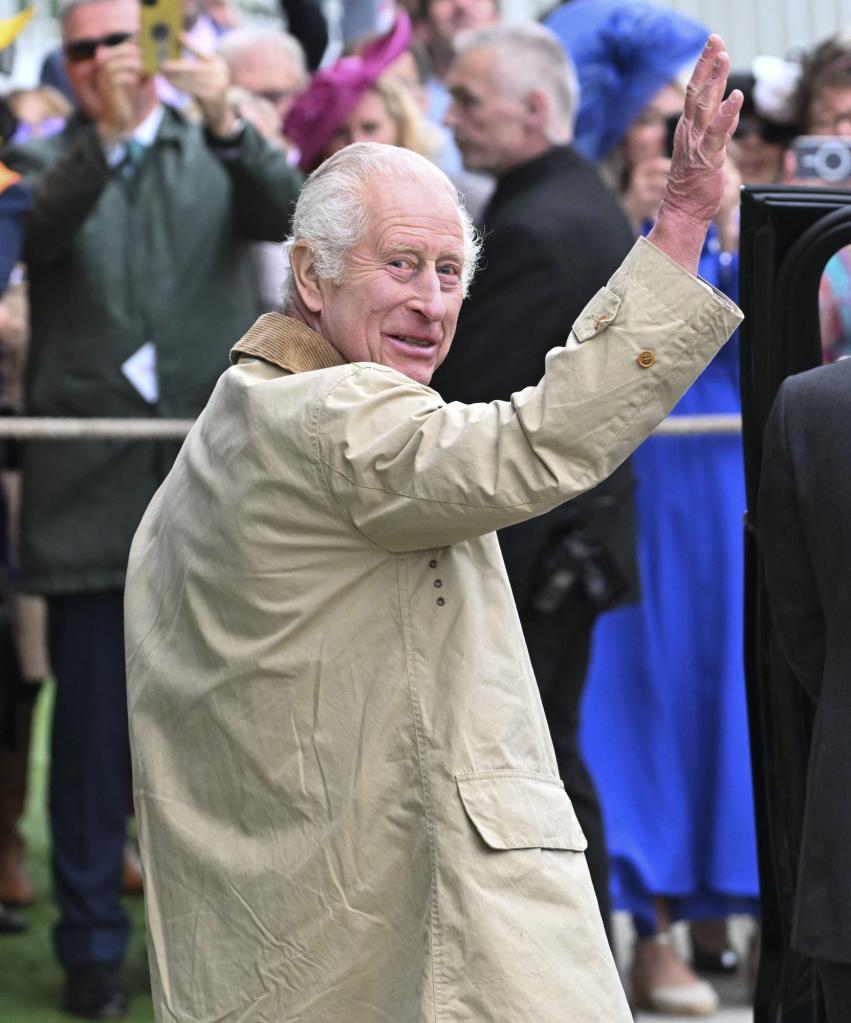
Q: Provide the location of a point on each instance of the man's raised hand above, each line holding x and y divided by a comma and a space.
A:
696, 179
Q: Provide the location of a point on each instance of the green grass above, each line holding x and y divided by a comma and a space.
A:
30, 978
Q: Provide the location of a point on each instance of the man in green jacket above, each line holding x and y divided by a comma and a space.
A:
138, 287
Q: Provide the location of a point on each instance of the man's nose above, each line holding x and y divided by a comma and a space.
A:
101, 52
428, 296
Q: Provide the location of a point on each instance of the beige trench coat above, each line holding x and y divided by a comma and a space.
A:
348, 801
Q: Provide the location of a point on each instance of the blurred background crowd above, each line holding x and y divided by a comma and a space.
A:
142, 215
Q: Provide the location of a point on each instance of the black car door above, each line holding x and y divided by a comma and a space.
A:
788, 234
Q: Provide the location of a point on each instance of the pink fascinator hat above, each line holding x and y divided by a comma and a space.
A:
334, 91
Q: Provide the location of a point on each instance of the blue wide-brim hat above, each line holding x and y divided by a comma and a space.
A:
624, 52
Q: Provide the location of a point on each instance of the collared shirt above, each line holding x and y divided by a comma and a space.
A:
144, 134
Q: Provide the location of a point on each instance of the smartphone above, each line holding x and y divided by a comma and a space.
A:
825, 157
162, 23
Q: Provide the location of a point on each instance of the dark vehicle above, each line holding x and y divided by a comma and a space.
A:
788, 235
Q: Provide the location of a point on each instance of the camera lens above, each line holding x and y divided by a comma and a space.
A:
832, 161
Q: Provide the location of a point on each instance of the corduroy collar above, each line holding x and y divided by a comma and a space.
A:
287, 343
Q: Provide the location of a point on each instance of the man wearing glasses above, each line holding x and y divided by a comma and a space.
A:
138, 287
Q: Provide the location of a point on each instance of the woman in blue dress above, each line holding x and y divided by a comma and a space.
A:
664, 717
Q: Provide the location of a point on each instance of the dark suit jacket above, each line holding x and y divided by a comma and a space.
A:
553, 235
805, 537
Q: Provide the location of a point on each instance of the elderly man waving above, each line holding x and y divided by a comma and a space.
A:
348, 800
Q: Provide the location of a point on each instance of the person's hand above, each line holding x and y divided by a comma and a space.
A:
119, 76
643, 196
206, 78
696, 178
12, 328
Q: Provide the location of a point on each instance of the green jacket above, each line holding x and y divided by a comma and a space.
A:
118, 259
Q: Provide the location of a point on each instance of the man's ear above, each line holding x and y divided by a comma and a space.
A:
537, 104
305, 276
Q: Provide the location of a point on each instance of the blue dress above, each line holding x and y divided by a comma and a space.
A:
664, 719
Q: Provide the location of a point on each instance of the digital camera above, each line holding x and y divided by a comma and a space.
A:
826, 157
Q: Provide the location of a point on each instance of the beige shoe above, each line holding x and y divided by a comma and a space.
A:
663, 983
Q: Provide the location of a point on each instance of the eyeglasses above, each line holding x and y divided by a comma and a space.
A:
276, 96
80, 50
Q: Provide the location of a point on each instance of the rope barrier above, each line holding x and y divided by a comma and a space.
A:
683, 426
50, 428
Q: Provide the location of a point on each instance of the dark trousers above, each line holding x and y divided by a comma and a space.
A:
559, 648
88, 776
835, 980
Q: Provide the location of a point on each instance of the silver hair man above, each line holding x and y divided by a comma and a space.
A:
332, 213
267, 63
242, 45
531, 57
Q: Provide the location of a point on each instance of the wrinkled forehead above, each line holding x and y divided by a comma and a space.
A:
420, 208
100, 17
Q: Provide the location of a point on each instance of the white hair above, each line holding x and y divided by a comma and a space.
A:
531, 57
66, 8
331, 214
242, 43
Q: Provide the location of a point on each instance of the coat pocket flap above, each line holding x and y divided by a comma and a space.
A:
519, 810
597, 315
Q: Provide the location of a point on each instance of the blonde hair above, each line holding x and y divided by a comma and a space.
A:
412, 130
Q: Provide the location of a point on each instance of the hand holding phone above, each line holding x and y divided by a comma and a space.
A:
118, 77
205, 77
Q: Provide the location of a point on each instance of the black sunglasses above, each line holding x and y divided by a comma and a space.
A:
774, 134
84, 49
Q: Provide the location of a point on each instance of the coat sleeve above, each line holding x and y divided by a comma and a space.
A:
793, 595
265, 187
411, 472
65, 190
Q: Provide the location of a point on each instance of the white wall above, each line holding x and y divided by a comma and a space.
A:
777, 27
749, 27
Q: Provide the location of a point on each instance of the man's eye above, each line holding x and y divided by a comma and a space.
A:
448, 270
400, 263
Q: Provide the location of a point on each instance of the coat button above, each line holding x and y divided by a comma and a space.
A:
440, 601
432, 563
646, 359
438, 583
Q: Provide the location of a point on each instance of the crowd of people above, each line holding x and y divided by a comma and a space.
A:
147, 215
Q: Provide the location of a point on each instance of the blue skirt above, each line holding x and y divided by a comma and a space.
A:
664, 719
